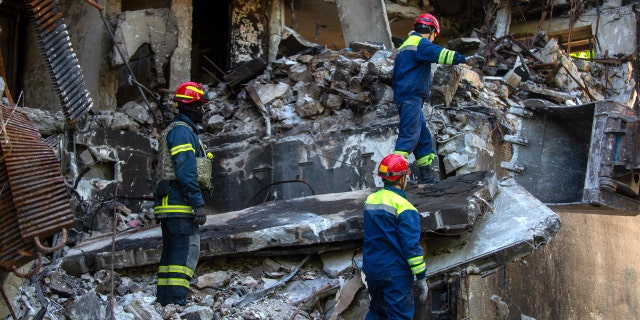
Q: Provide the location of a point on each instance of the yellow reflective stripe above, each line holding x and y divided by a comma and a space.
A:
417, 264
388, 201
165, 201
173, 282
426, 160
176, 269
182, 148
402, 153
172, 209
418, 268
415, 260
411, 43
192, 88
446, 56
183, 96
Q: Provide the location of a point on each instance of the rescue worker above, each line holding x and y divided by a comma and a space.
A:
392, 254
179, 205
411, 82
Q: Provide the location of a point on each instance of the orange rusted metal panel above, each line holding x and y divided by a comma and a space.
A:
33, 199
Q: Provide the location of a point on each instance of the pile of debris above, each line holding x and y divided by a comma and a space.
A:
239, 289
316, 90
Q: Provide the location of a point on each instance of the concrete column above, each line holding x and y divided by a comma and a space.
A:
364, 20
181, 58
276, 21
503, 19
108, 79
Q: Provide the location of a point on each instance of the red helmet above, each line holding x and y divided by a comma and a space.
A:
189, 92
428, 20
393, 166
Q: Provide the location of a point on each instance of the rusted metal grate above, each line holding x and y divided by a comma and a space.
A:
34, 200
59, 57
11, 243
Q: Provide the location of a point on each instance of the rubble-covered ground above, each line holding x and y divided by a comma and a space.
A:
318, 90
219, 291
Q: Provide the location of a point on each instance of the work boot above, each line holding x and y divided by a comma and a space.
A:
427, 175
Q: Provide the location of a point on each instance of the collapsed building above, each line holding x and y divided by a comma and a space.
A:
532, 139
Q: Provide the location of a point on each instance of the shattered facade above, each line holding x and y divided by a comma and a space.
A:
298, 125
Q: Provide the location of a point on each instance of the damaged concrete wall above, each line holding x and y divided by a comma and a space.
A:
364, 21
613, 26
249, 30
589, 271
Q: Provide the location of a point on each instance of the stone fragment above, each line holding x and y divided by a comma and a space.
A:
454, 161
300, 73
297, 291
269, 92
140, 306
138, 112
371, 47
336, 263
466, 46
308, 107
445, 83
122, 122
215, 124
512, 79
217, 279
332, 101
197, 313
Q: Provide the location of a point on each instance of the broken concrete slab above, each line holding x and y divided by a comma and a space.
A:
441, 205
316, 223
517, 224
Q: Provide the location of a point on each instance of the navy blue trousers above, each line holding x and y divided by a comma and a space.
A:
391, 298
180, 253
413, 135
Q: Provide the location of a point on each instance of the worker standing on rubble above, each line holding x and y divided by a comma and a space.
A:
392, 254
179, 205
411, 83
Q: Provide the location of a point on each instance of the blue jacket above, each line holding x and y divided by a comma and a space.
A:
184, 193
391, 236
412, 66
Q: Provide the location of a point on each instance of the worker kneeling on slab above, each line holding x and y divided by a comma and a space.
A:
393, 259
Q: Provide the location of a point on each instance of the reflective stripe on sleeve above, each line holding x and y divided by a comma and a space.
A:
182, 148
446, 56
417, 264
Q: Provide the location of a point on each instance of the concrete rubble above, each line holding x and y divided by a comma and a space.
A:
317, 92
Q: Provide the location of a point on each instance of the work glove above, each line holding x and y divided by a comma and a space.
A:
200, 217
475, 61
422, 289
